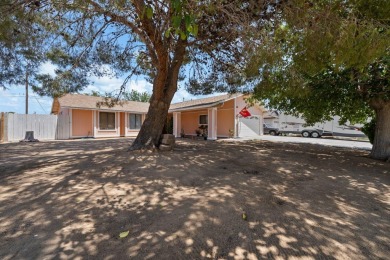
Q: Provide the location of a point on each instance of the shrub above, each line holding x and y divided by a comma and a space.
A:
369, 129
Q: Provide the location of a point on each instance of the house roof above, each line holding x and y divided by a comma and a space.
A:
90, 102
203, 102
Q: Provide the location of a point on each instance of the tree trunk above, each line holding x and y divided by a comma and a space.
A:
381, 145
164, 88
151, 130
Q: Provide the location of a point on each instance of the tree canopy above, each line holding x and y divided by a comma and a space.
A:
21, 44
330, 58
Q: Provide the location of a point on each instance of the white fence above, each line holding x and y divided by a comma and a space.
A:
63, 127
14, 126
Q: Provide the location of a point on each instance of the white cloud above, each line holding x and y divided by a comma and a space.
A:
14, 100
182, 95
111, 84
141, 86
48, 68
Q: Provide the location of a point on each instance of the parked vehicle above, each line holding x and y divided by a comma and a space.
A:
296, 125
268, 129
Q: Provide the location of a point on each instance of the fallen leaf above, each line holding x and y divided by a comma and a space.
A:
124, 234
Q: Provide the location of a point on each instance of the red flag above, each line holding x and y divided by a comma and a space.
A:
244, 112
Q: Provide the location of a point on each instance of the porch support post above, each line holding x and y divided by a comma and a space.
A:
176, 124
94, 123
70, 123
235, 119
118, 123
126, 123
212, 124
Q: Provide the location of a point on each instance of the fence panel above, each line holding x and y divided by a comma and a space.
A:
44, 126
63, 127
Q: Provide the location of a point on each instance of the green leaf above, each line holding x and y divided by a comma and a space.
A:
189, 29
149, 12
124, 234
187, 20
167, 33
195, 30
183, 36
176, 4
176, 20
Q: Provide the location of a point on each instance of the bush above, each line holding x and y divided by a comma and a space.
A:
369, 130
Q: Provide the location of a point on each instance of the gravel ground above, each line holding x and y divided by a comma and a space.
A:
71, 200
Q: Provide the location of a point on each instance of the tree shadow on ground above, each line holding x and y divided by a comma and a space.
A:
72, 199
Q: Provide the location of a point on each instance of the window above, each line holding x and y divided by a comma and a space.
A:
106, 121
203, 120
135, 121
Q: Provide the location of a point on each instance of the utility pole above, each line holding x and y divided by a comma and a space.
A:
26, 92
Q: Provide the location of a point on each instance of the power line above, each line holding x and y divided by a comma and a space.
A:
40, 104
31, 96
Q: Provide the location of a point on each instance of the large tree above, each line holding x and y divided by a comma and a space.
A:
329, 58
157, 39
21, 51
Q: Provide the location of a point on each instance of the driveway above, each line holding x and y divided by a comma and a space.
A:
363, 145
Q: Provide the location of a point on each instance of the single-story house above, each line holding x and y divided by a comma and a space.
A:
79, 116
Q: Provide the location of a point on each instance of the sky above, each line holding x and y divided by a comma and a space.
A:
13, 98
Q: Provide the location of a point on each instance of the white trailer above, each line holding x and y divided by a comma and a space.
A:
297, 125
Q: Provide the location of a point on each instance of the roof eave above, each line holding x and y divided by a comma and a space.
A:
196, 107
213, 104
106, 109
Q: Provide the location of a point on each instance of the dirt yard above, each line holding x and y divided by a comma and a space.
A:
71, 200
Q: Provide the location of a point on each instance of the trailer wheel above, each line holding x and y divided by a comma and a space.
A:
305, 134
315, 134
272, 132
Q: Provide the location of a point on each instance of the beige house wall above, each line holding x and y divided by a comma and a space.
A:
82, 123
85, 123
225, 118
225, 121
190, 121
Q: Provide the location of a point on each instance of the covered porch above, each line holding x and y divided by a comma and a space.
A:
211, 122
